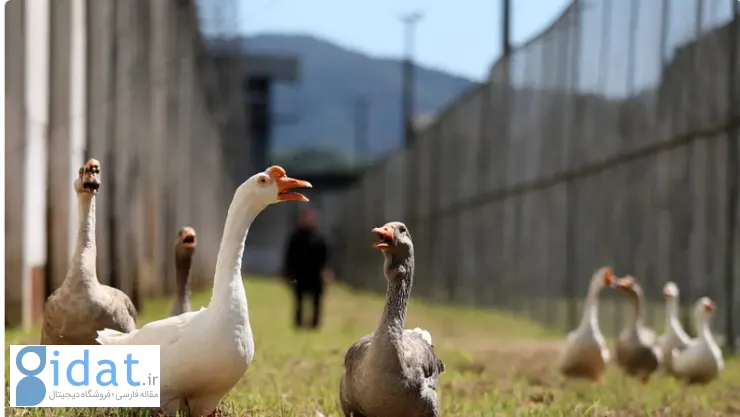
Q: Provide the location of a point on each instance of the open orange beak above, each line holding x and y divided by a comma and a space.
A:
188, 240
709, 306
385, 237
286, 184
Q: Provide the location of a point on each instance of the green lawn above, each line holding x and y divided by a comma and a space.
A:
497, 365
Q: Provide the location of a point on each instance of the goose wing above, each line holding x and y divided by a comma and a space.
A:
161, 332
420, 357
356, 352
121, 301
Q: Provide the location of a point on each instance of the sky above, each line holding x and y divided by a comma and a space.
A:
460, 40
466, 40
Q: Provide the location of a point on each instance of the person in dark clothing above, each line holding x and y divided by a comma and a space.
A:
306, 258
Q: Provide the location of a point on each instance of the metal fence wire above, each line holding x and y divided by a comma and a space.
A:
609, 139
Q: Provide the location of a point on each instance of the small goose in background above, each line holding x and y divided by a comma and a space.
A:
585, 354
701, 360
637, 352
82, 305
392, 372
674, 336
184, 251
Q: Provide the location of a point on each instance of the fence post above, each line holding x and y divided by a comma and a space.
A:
15, 156
59, 191
570, 206
732, 183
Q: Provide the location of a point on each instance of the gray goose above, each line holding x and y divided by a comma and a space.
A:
392, 372
184, 250
637, 351
81, 306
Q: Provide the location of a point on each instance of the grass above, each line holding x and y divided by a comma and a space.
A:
497, 365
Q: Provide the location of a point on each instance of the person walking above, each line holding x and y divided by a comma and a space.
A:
305, 266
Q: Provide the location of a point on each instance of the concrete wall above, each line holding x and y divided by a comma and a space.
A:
128, 83
15, 151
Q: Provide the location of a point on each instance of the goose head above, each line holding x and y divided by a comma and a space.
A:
88, 180
274, 186
394, 240
670, 291
185, 243
603, 277
704, 310
629, 285
393, 237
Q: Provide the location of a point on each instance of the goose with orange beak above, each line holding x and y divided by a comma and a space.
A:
674, 336
701, 361
637, 352
184, 252
585, 353
392, 372
205, 353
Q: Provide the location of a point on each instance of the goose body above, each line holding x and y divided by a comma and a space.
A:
81, 306
674, 336
637, 352
585, 353
701, 360
392, 372
205, 353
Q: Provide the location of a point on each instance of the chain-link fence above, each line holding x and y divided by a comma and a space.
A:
131, 84
609, 139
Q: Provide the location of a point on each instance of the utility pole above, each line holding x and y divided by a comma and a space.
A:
409, 22
506, 27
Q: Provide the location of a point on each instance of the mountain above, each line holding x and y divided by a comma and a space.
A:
331, 80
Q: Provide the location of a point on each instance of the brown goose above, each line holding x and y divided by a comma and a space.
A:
585, 354
82, 305
392, 372
637, 352
184, 250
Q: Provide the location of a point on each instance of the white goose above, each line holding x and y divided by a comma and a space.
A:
205, 353
674, 336
701, 361
585, 354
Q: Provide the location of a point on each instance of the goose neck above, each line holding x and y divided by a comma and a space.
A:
182, 280
83, 268
228, 288
637, 310
671, 311
705, 332
591, 306
399, 274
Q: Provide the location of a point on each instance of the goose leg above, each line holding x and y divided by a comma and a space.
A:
645, 378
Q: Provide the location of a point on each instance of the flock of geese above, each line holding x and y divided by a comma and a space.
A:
639, 352
392, 372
